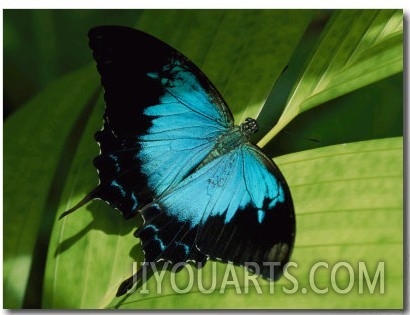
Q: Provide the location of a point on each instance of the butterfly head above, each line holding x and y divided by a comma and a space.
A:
249, 127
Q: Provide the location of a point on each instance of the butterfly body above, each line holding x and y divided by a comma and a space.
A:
234, 138
171, 152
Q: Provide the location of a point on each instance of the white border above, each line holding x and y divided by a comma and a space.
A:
214, 4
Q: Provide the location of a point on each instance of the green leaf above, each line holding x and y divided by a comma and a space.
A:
37, 144
358, 48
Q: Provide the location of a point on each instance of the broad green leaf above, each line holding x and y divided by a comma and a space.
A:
89, 253
358, 48
37, 141
349, 208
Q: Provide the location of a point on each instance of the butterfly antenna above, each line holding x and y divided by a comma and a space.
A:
139, 278
90, 196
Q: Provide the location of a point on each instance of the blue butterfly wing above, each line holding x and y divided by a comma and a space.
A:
162, 117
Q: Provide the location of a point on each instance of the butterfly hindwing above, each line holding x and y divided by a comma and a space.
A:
161, 119
260, 233
164, 237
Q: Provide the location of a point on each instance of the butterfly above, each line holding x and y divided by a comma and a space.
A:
170, 152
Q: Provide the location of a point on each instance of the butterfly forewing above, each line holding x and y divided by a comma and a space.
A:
161, 119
